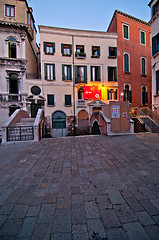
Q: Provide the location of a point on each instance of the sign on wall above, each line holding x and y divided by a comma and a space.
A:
115, 111
124, 115
92, 92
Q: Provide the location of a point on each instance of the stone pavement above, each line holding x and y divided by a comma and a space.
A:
92, 187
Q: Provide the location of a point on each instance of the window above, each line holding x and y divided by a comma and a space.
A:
13, 84
95, 73
49, 71
126, 63
50, 100
112, 52
95, 51
155, 8
127, 94
80, 51
112, 94
155, 44
112, 74
81, 74
68, 100
157, 82
142, 37
58, 120
66, 49
81, 93
66, 72
49, 47
10, 11
143, 66
12, 45
125, 31
144, 96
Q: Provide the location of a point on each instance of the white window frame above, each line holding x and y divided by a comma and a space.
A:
127, 25
124, 62
141, 30
50, 75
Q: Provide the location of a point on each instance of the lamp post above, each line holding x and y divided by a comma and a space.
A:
74, 116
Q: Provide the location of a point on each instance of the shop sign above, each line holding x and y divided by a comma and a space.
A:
92, 92
115, 111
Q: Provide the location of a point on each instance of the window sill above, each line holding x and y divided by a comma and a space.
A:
126, 72
67, 80
112, 81
47, 53
50, 79
143, 75
96, 81
51, 105
68, 105
113, 57
66, 55
95, 56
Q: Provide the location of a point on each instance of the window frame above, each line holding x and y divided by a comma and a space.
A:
77, 74
69, 72
94, 49
50, 95
144, 96
66, 46
142, 31
97, 74
46, 72
129, 93
115, 52
45, 48
126, 25
81, 53
143, 73
124, 69
114, 69
70, 100
10, 6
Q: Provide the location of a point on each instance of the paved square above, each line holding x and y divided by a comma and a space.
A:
85, 188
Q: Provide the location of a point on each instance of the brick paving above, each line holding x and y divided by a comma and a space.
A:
85, 188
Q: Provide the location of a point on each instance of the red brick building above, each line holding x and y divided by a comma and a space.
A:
133, 59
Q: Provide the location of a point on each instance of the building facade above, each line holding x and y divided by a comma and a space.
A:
78, 74
154, 5
133, 59
18, 55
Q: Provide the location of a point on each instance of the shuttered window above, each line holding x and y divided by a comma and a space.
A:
66, 49
112, 74
142, 37
66, 72
144, 96
49, 47
155, 44
112, 51
126, 63
95, 73
143, 66
157, 82
125, 31
68, 100
49, 70
96, 51
50, 100
81, 74
127, 94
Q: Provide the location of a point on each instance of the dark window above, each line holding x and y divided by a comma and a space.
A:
49, 47
143, 66
126, 63
66, 72
49, 71
12, 47
112, 52
80, 51
112, 74
80, 74
96, 51
155, 8
157, 82
155, 44
144, 96
68, 100
142, 37
125, 31
50, 100
13, 84
66, 49
95, 73
81, 93
127, 94
10, 11
112, 94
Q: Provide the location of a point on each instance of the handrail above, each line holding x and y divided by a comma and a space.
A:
151, 114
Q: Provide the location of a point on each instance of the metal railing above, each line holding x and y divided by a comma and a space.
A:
20, 133
151, 114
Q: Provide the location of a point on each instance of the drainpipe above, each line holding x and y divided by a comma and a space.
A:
74, 116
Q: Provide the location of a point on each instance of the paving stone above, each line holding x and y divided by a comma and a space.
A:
96, 226
116, 234
156, 219
109, 218
115, 196
62, 236
19, 211
10, 228
135, 231
63, 203
27, 227
50, 198
77, 200
6, 208
91, 210
134, 204
78, 215
103, 202
145, 218
149, 207
2, 219
79, 232
46, 213
124, 213
42, 231
33, 211
153, 232
62, 221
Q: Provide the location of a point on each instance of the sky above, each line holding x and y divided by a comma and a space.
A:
85, 14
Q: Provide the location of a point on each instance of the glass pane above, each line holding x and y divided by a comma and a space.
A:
7, 10
125, 31
12, 11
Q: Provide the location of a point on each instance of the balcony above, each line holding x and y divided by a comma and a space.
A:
80, 55
10, 98
81, 103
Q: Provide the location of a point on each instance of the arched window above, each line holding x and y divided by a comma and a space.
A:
127, 94
126, 63
13, 84
143, 66
12, 46
81, 93
58, 120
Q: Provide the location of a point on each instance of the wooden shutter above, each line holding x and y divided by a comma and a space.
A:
61, 48
116, 94
126, 62
45, 71
99, 50
115, 51
44, 46
70, 72
70, 49
99, 75
53, 71
53, 47
146, 97
109, 74
85, 74
154, 46
67, 100
130, 96
115, 74
153, 10
126, 32
50, 100
124, 96
63, 75
76, 74
91, 73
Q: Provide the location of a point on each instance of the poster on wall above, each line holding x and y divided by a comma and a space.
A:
115, 111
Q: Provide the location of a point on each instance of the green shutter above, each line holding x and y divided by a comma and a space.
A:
85, 74
61, 48
142, 37
153, 10
115, 74
126, 32
63, 76
99, 50
50, 100
109, 75
70, 49
45, 71
126, 63
124, 96
44, 46
67, 100
154, 50
143, 66
146, 97
76, 74
53, 47
109, 52
115, 51
92, 50
116, 94
130, 96
53, 71
99, 75
91, 73
70, 72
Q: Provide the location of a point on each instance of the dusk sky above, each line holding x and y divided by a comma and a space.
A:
85, 14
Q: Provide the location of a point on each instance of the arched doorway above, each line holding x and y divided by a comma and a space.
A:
83, 118
95, 129
59, 124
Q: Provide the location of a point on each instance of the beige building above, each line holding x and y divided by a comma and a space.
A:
18, 55
154, 5
78, 74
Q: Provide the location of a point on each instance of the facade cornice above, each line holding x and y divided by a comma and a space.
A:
154, 18
13, 24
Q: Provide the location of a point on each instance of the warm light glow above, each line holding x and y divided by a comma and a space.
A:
122, 94
92, 92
